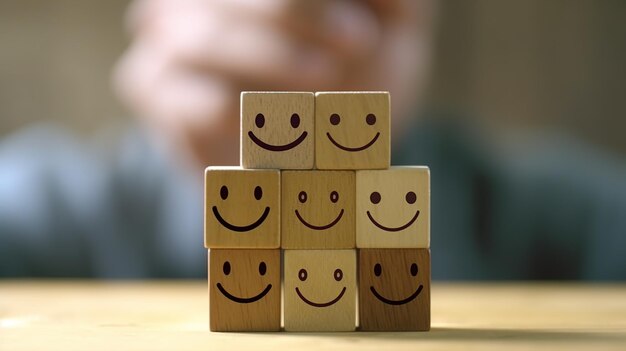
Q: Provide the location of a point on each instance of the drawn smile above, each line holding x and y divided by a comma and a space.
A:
321, 227
393, 229
270, 147
244, 299
353, 149
237, 228
397, 302
314, 304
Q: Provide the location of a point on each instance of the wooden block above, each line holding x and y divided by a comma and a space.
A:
242, 208
352, 130
320, 290
277, 130
244, 290
393, 208
318, 210
394, 289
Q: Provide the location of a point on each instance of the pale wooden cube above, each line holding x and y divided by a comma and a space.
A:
277, 130
318, 210
244, 290
352, 130
320, 290
393, 208
242, 208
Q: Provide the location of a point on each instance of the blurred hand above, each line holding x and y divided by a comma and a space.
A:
189, 60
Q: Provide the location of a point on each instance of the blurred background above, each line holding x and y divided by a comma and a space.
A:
550, 71
528, 65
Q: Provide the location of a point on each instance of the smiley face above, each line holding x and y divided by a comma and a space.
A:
370, 119
393, 208
303, 275
244, 289
317, 209
259, 121
226, 269
410, 198
277, 130
394, 283
320, 290
352, 130
334, 197
242, 208
378, 271
258, 195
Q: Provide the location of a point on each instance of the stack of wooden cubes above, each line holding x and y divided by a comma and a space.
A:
315, 192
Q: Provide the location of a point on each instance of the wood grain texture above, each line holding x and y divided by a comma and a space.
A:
277, 130
318, 210
152, 315
398, 203
394, 289
323, 277
346, 123
252, 277
242, 208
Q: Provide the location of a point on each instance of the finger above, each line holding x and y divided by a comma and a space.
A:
202, 112
193, 112
246, 50
347, 28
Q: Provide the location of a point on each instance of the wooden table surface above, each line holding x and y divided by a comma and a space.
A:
173, 315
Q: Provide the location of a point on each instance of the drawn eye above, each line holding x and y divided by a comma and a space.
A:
295, 120
226, 268
258, 193
370, 119
259, 120
335, 119
334, 196
414, 269
224, 192
302, 274
302, 196
262, 268
410, 197
375, 197
338, 274
378, 269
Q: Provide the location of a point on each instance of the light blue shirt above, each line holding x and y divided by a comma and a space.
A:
553, 209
